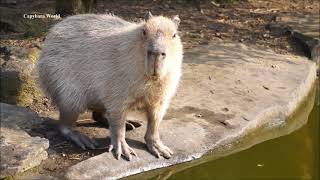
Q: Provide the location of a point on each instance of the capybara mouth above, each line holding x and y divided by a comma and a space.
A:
152, 77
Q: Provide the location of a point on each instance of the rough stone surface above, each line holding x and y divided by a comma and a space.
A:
305, 24
305, 29
22, 117
231, 97
19, 151
37, 177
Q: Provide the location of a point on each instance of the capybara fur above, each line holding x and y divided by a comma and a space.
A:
111, 66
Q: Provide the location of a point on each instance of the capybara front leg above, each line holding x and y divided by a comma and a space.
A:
117, 133
152, 137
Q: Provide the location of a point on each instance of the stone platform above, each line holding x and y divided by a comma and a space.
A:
231, 97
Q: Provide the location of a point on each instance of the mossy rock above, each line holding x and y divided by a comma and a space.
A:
29, 92
19, 78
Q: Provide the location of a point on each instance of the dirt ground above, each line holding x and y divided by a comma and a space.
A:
241, 21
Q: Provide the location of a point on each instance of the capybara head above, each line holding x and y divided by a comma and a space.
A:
162, 44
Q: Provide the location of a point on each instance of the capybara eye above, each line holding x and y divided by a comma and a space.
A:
174, 35
144, 32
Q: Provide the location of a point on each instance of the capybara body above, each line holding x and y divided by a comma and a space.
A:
111, 66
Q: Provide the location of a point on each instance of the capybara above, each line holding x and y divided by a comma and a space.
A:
111, 66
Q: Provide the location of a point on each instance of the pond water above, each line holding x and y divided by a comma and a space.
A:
291, 157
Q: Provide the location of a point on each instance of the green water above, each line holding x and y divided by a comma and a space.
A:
291, 157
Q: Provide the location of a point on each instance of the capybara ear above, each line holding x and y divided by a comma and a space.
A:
176, 20
147, 16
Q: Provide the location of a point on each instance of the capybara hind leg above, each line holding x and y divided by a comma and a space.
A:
130, 124
65, 127
99, 117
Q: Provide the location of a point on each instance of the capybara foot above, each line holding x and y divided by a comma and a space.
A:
121, 147
131, 125
157, 148
79, 139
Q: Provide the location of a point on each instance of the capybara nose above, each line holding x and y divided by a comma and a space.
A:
158, 54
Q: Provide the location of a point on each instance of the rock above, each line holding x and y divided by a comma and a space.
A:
311, 46
278, 29
198, 122
38, 177
18, 76
19, 151
24, 118
305, 24
304, 29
